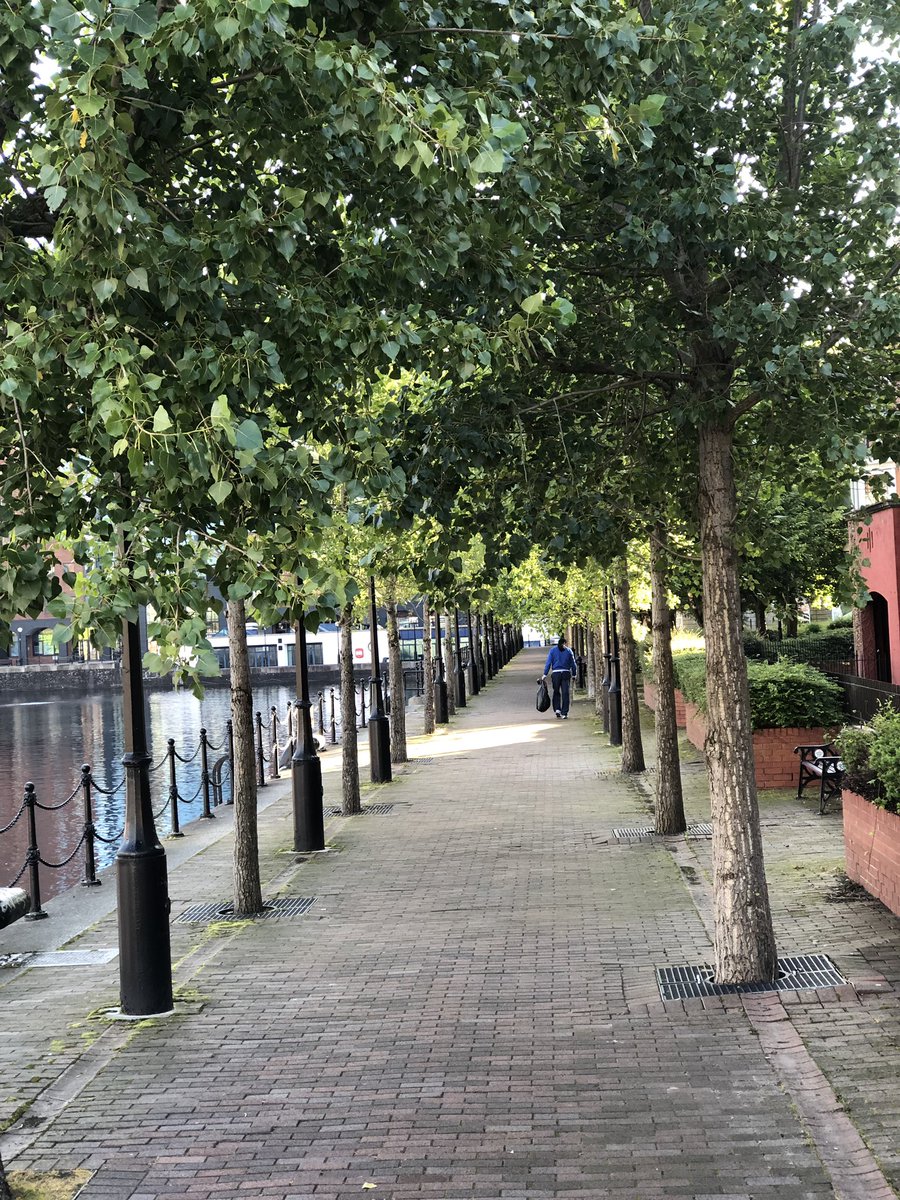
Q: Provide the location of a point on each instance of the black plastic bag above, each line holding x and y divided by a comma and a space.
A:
543, 697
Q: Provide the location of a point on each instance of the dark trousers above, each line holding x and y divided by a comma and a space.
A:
560, 680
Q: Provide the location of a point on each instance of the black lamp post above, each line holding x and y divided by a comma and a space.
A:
441, 707
607, 658
615, 683
145, 960
460, 671
306, 770
489, 645
475, 684
379, 724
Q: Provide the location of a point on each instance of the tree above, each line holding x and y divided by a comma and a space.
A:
670, 817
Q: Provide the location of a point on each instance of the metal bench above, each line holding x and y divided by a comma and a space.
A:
822, 765
14, 903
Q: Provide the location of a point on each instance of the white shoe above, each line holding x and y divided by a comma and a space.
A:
558, 714
565, 716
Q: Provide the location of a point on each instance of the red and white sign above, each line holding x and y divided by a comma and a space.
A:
359, 652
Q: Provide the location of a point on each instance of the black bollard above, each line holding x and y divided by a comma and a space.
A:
145, 959
33, 858
90, 861
173, 791
460, 672
379, 725
206, 813
306, 770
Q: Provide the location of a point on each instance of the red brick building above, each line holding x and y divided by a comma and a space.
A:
876, 530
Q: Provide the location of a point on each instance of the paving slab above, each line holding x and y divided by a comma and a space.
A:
469, 1008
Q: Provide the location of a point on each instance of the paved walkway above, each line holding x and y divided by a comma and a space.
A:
469, 1008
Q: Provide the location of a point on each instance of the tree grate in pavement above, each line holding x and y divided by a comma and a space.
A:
74, 958
634, 833
377, 810
803, 972
286, 906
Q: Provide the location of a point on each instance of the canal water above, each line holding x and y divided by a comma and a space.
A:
46, 741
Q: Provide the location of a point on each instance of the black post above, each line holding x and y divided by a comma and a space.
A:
379, 725
460, 671
260, 756
333, 734
173, 790
33, 858
306, 770
207, 813
441, 707
482, 660
362, 704
145, 958
615, 684
90, 861
273, 746
473, 656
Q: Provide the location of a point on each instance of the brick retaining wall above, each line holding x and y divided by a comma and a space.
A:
872, 848
777, 766
651, 699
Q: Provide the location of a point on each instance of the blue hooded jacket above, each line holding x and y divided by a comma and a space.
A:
561, 660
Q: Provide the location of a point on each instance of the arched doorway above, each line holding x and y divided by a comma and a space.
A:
882, 637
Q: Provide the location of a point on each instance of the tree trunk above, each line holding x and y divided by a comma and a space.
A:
791, 624
247, 888
448, 666
745, 939
5, 1193
351, 800
427, 668
395, 675
632, 744
669, 799
759, 611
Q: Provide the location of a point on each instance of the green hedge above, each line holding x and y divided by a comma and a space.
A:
782, 694
834, 646
871, 755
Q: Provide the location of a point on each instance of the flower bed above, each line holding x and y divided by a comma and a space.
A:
872, 848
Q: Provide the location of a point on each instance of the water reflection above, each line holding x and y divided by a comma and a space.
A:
46, 742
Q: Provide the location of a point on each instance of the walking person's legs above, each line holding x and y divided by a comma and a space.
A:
556, 679
565, 679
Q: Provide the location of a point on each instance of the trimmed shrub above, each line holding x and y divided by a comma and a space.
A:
812, 627
854, 743
690, 676
841, 622
871, 754
756, 646
782, 694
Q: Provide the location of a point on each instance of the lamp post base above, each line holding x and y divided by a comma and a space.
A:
380, 748
309, 815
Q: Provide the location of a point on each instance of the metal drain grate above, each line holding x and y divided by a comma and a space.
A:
702, 829
15, 960
287, 906
635, 833
74, 958
803, 972
377, 810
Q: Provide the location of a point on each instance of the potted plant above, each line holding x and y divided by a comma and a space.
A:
871, 804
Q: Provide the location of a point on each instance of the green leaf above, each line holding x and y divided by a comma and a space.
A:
227, 27
137, 278
104, 288
488, 162
161, 420
220, 491
220, 416
532, 303
54, 197
249, 436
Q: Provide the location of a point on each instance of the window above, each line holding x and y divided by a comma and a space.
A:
314, 655
262, 656
42, 645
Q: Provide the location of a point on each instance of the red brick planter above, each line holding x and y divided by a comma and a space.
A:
680, 715
872, 847
777, 766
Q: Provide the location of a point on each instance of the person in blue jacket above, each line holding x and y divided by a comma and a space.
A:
561, 667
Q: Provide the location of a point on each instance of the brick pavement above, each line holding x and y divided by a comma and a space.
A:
468, 1010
